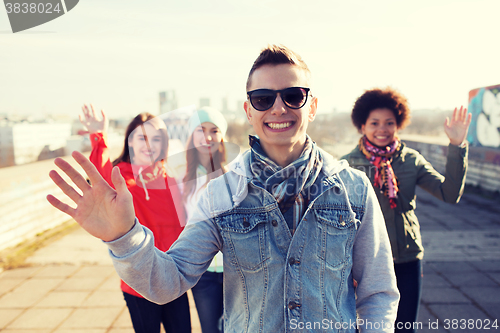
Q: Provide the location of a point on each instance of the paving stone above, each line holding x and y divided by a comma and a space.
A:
459, 225
484, 252
93, 271
39, 285
19, 300
495, 276
428, 269
195, 320
443, 295
123, 320
7, 285
491, 217
81, 284
8, 315
56, 271
492, 309
40, 319
458, 312
121, 330
431, 254
24, 272
82, 331
487, 225
112, 283
485, 294
425, 317
104, 298
432, 327
487, 266
432, 227
91, 318
65, 299
444, 266
26, 331
470, 279
428, 321
79, 249
445, 217
433, 280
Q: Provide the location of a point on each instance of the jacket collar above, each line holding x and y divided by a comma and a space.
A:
241, 167
331, 166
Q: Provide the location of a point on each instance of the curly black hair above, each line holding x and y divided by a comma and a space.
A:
378, 98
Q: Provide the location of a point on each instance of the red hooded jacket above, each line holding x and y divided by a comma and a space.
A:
157, 199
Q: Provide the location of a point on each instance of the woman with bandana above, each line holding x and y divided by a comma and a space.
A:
395, 170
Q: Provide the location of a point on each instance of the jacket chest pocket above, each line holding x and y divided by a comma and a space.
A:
336, 231
246, 240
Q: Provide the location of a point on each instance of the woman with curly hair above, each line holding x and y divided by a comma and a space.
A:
395, 170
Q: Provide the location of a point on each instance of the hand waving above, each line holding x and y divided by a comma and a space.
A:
456, 128
91, 122
103, 212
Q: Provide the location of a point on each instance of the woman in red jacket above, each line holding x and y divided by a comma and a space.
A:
156, 197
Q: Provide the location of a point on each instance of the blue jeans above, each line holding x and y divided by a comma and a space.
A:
146, 316
209, 301
409, 280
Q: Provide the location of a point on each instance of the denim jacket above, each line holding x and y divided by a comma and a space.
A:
273, 281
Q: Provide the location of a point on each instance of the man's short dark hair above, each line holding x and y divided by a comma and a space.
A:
277, 55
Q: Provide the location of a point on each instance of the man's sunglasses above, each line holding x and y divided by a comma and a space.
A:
263, 99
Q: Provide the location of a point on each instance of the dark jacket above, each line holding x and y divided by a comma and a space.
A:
411, 169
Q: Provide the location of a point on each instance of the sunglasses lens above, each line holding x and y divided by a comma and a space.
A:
294, 98
263, 100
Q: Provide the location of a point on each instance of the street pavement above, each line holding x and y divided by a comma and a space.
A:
71, 286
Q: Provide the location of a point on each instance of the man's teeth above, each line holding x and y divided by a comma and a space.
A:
279, 125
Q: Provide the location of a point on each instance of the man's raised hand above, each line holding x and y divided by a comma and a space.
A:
100, 210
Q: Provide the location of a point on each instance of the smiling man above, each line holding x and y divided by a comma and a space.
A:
298, 229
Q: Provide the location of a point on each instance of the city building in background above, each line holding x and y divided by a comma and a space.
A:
25, 142
168, 101
204, 101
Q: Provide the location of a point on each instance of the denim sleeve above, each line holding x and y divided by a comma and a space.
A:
163, 276
373, 269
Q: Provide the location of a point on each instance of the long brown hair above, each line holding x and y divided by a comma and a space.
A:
217, 161
140, 120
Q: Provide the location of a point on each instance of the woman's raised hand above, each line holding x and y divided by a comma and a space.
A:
91, 122
456, 128
100, 210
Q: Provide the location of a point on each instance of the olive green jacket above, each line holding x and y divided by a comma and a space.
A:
411, 169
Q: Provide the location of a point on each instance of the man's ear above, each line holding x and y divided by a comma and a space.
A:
313, 109
246, 106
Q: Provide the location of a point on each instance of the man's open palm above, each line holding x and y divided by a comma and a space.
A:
103, 212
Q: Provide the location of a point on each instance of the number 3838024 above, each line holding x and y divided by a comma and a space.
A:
470, 324
32, 8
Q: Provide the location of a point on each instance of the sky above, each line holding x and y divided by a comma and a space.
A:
119, 54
